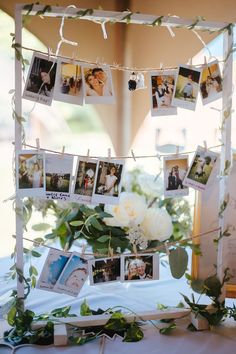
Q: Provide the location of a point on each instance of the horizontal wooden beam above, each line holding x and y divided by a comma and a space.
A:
121, 17
99, 320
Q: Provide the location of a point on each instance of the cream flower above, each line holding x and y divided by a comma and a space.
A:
157, 224
130, 210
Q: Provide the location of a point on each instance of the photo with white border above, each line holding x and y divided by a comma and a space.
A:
142, 267
83, 186
162, 84
97, 83
30, 173
187, 87
108, 181
39, 86
69, 85
73, 275
175, 169
211, 82
200, 169
104, 270
52, 269
58, 171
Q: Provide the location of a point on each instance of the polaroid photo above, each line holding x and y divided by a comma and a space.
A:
40, 81
30, 173
187, 87
211, 82
83, 187
68, 85
52, 269
200, 169
97, 83
162, 84
140, 267
104, 270
175, 169
73, 275
58, 171
108, 179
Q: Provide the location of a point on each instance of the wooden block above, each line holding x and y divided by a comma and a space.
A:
199, 322
60, 334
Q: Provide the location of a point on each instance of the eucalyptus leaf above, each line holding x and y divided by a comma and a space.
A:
41, 226
35, 254
213, 286
96, 224
178, 260
76, 223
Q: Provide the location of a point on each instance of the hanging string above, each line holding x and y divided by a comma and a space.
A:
151, 249
119, 157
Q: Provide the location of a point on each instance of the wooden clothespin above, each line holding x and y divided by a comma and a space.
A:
205, 61
205, 145
49, 53
83, 250
63, 152
37, 144
161, 66
135, 250
87, 157
109, 155
191, 62
167, 248
177, 150
132, 153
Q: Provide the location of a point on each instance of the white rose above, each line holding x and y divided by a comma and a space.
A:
130, 210
157, 224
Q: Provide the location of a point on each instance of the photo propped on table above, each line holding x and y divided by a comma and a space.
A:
73, 275
40, 81
97, 82
162, 85
52, 269
211, 82
83, 186
69, 85
175, 169
30, 173
104, 270
108, 181
58, 170
187, 87
143, 267
200, 169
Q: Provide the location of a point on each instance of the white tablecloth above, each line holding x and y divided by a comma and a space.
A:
138, 297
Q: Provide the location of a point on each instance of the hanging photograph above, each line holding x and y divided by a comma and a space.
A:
40, 81
52, 269
98, 86
73, 275
30, 173
200, 169
187, 87
68, 86
162, 85
104, 270
175, 169
211, 82
108, 181
58, 170
140, 267
82, 190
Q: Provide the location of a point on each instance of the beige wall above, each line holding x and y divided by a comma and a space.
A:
131, 45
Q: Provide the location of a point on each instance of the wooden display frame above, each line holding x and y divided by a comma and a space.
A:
103, 16
200, 208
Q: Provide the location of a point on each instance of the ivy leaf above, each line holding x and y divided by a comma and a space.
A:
168, 330
76, 223
103, 238
62, 312
11, 316
33, 271
161, 307
41, 227
134, 333
178, 259
33, 281
85, 309
117, 322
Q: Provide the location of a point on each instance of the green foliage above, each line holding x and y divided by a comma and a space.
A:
168, 330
